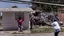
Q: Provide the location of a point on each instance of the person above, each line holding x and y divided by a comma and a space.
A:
56, 27
20, 23
31, 23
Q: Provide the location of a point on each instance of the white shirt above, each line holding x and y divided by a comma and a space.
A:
55, 25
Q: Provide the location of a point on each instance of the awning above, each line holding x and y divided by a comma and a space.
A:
16, 10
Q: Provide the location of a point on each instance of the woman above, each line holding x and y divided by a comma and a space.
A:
56, 27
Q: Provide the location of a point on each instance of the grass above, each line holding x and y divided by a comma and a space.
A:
0, 17
16, 33
0, 25
62, 30
44, 30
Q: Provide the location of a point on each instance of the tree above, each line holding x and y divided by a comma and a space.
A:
49, 8
45, 7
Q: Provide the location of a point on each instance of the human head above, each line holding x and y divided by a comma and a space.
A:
55, 20
19, 17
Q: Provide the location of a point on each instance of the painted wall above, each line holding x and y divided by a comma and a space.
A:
9, 21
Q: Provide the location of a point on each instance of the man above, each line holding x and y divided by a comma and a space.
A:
20, 23
56, 27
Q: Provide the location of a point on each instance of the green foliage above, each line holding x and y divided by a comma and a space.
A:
45, 7
49, 8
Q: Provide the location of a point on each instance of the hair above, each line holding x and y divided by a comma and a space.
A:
19, 17
55, 20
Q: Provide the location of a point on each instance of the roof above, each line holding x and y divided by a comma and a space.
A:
16, 10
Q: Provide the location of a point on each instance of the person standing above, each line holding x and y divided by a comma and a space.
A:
56, 27
20, 20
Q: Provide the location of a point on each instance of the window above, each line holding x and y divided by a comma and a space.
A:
19, 14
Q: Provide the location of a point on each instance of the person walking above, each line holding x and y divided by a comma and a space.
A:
56, 27
20, 20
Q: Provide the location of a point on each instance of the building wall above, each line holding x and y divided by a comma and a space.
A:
0, 13
10, 23
26, 20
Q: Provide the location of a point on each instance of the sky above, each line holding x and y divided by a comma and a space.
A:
9, 5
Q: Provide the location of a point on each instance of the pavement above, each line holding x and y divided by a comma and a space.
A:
26, 33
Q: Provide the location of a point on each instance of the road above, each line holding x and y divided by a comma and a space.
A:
7, 33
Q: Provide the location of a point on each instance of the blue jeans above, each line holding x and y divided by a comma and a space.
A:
56, 32
20, 27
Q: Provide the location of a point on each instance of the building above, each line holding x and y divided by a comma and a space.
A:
10, 16
9, 20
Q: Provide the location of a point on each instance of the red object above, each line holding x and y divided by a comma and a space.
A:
20, 21
23, 19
